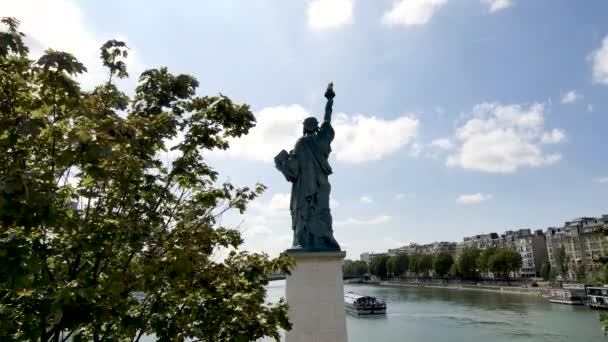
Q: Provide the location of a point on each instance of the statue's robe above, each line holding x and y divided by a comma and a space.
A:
308, 170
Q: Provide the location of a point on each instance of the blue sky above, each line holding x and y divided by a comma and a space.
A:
453, 117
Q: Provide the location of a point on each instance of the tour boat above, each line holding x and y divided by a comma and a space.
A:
572, 294
598, 297
363, 305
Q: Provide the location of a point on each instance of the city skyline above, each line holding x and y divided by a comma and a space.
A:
452, 117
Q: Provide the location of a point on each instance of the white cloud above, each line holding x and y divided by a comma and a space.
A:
601, 180
439, 110
415, 150
571, 97
277, 128
599, 58
273, 244
361, 138
372, 221
333, 204
366, 199
412, 12
357, 137
390, 242
497, 5
257, 230
473, 198
401, 196
62, 26
554, 137
443, 144
590, 108
328, 14
502, 138
277, 206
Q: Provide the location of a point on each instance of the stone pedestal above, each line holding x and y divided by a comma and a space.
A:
315, 294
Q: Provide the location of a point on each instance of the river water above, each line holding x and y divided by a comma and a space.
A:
423, 314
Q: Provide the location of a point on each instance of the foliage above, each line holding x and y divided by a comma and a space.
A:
398, 264
561, 261
599, 276
545, 270
504, 261
420, 264
442, 264
534, 284
454, 271
90, 217
483, 261
378, 267
391, 265
581, 274
552, 274
467, 263
355, 269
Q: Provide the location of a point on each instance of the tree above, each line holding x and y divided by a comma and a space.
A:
454, 271
355, 269
377, 266
420, 264
359, 268
483, 260
391, 265
504, 261
101, 240
442, 264
401, 264
514, 261
552, 274
561, 261
467, 263
581, 274
414, 263
398, 264
545, 270
426, 263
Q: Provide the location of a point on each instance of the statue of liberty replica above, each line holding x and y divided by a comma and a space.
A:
307, 168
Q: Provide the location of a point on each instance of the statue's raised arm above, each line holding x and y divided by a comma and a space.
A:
329, 95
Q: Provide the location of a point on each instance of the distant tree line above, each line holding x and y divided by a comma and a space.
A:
471, 264
355, 269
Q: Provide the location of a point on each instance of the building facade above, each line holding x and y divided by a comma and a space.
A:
368, 256
531, 246
434, 249
583, 241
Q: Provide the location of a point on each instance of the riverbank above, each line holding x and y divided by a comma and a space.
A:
529, 291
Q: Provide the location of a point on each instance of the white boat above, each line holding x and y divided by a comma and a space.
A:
571, 294
363, 305
598, 297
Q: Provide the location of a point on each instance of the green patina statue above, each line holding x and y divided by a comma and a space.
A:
307, 168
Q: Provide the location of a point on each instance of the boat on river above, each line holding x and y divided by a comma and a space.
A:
363, 305
572, 294
597, 297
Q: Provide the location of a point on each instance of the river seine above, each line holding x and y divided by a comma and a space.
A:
422, 314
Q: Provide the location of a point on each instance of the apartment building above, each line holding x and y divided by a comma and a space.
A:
583, 240
531, 246
368, 256
434, 248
